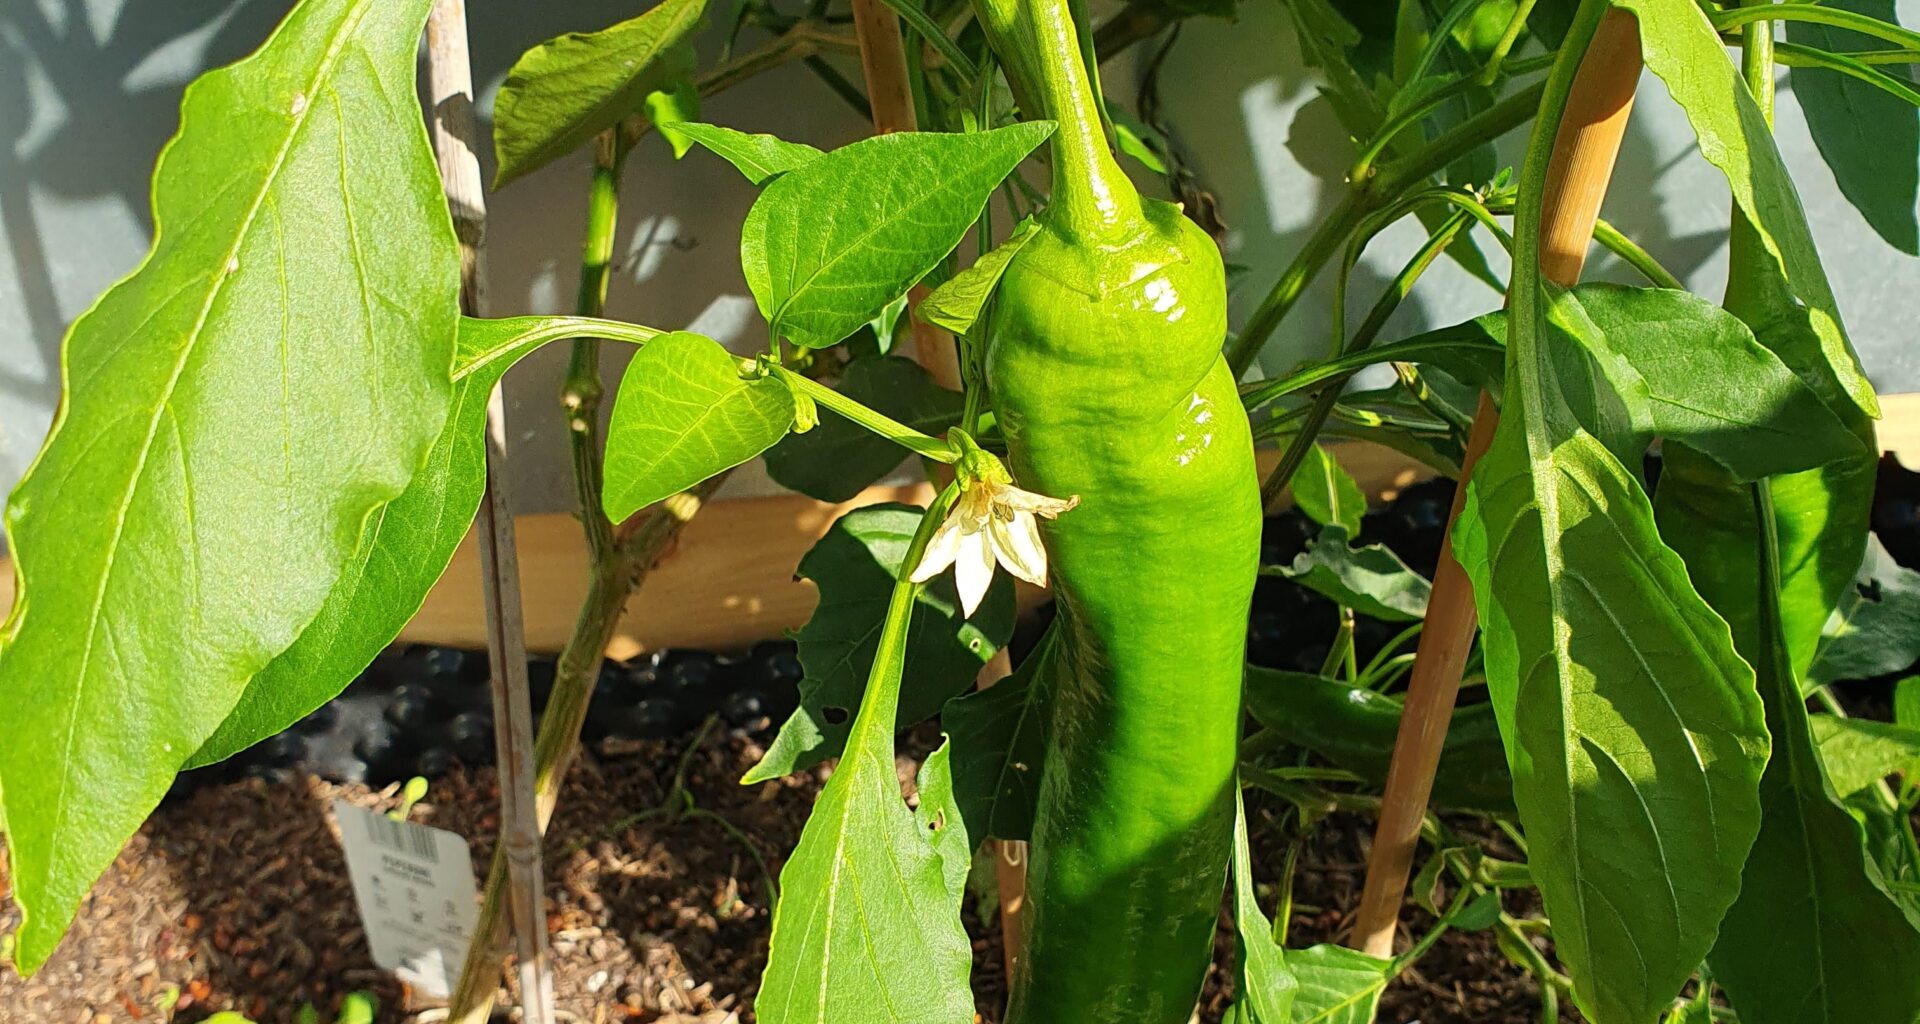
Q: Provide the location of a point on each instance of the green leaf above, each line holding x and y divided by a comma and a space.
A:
563, 92
1337, 985
1355, 729
1263, 988
1682, 48
1371, 580
939, 818
1327, 494
838, 459
886, 325
1131, 135
829, 244
1000, 741
854, 566
403, 550
761, 158
1859, 752
1871, 140
234, 410
867, 930
683, 414
668, 109
1906, 702
956, 304
1625, 711
1712, 385
1875, 630
1814, 937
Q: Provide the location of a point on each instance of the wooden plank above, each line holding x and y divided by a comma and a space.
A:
729, 582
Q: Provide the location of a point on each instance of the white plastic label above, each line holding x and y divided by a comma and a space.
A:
414, 886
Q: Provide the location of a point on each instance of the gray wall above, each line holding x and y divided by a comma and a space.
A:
89, 91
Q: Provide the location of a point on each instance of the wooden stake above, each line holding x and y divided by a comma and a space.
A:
883, 60
451, 74
1584, 152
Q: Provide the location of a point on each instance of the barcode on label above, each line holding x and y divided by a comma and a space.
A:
400, 837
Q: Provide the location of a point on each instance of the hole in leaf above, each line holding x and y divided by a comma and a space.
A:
835, 716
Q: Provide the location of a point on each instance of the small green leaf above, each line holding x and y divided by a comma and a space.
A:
956, 304
1869, 139
1906, 702
1355, 729
1132, 135
668, 109
1337, 985
1859, 752
999, 737
867, 930
1875, 630
886, 326
1325, 492
563, 92
1371, 580
941, 822
683, 414
854, 566
1263, 988
761, 158
233, 412
838, 459
1682, 48
828, 245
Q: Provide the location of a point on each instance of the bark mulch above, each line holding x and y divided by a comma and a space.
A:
236, 898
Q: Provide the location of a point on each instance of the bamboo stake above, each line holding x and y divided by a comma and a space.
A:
1585, 149
451, 73
883, 60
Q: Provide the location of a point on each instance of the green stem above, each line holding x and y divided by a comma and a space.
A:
1634, 256
1492, 73
1402, 284
1749, 14
1432, 158
921, 444
1362, 168
881, 703
1092, 198
916, 18
580, 395
1438, 38
1795, 55
1409, 350
1306, 265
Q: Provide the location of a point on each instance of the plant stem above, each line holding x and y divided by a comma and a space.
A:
1305, 266
1363, 164
1820, 14
921, 444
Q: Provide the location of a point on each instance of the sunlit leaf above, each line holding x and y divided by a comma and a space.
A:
1371, 580
563, 92
1858, 752
1326, 493
1263, 988
1337, 985
233, 411
761, 158
956, 304
830, 243
683, 414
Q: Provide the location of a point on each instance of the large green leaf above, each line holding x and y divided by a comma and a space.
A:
1814, 937
1711, 384
830, 243
234, 410
938, 813
1263, 988
854, 566
1870, 139
1370, 580
1682, 48
1325, 492
1337, 985
563, 92
1875, 629
1626, 713
683, 414
405, 547
761, 158
867, 930
1356, 728
838, 459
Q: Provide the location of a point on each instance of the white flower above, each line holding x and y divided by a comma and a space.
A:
991, 522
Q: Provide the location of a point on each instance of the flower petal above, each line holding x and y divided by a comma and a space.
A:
1027, 501
973, 569
941, 550
1016, 541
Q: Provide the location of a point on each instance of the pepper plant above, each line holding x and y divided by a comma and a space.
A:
269, 445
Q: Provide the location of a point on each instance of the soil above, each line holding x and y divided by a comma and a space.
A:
236, 898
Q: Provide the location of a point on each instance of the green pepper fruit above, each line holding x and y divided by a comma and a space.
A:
1109, 384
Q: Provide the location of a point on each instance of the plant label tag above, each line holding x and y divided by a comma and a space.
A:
414, 887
